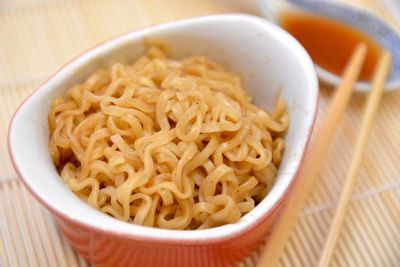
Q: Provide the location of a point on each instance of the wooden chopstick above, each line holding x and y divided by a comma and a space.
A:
290, 211
374, 97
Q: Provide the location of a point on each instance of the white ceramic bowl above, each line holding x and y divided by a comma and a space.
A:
266, 57
364, 21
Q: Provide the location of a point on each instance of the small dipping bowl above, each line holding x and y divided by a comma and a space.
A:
362, 20
267, 58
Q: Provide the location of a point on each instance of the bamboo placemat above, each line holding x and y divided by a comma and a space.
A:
39, 36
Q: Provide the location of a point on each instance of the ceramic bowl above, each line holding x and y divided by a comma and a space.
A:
364, 21
267, 58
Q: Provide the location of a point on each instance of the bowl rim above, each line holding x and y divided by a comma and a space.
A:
359, 87
135, 234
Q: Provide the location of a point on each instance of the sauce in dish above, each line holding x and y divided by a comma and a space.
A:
329, 42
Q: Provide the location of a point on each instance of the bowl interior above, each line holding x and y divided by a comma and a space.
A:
267, 58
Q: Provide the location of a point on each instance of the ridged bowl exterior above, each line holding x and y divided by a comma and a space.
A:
105, 250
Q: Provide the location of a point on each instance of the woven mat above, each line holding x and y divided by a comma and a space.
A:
39, 36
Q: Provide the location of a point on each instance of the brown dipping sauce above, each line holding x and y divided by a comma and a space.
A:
330, 43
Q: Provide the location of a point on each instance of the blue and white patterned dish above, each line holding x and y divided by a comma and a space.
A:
367, 22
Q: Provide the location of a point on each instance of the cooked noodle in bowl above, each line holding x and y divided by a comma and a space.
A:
149, 160
175, 144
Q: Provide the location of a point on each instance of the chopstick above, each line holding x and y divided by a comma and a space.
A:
290, 211
374, 97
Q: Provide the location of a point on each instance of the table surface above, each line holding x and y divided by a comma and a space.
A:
39, 36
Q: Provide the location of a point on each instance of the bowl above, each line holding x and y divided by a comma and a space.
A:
366, 22
268, 60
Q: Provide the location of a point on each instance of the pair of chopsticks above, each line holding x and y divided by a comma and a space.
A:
287, 218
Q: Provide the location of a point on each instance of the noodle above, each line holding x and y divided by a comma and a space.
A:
167, 143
